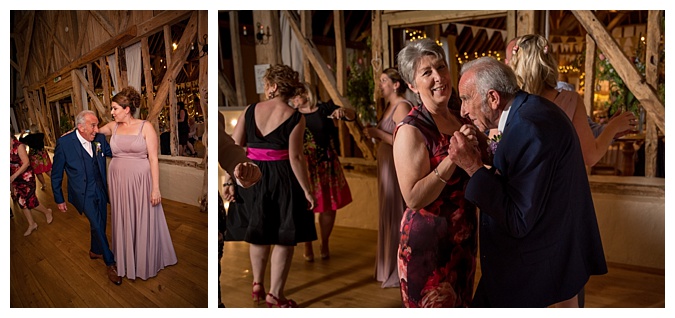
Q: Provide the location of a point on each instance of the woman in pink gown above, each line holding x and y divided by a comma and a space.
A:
391, 205
141, 241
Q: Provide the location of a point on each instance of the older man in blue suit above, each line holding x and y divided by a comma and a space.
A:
539, 237
82, 155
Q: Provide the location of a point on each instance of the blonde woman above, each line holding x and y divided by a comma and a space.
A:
325, 171
531, 58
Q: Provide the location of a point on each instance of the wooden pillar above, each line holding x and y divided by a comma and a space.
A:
269, 51
341, 76
527, 22
90, 84
386, 48
376, 49
202, 31
589, 87
511, 25
651, 73
237, 63
173, 117
452, 59
77, 92
149, 84
306, 30
105, 81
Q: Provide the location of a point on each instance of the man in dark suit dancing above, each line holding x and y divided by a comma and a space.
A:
82, 155
539, 237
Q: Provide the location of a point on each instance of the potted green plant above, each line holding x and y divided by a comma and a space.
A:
360, 90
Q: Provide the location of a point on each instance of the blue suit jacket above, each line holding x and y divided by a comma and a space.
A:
539, 238
69, 157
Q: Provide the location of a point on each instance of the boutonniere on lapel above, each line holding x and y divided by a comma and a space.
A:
97, 147
493, 143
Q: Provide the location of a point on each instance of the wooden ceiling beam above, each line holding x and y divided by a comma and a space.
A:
237, 61
26, 46
425, 17
75, 29
178, 58
635, 82
105, 115
354, 36
328, 25
167, 17
618, 19
226, 88
102, 49
50, 48
103, 22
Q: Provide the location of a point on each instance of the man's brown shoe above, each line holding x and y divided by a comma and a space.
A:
93, 255
112, 275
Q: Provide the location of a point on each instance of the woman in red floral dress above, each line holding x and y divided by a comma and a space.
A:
325, 171
39, 158
437, 251
23, 184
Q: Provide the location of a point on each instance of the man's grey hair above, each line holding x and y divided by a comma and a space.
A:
491, 74
409, 57
80, 118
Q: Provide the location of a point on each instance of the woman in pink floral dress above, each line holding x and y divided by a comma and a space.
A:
23, 184
325, 171
437, 251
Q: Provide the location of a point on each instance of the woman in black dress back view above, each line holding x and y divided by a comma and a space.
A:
278, 209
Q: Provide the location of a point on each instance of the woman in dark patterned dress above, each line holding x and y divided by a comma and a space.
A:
23, 184
276, 210
39, 158
437, 252
325, 171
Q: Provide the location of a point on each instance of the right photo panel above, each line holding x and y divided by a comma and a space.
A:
457, 158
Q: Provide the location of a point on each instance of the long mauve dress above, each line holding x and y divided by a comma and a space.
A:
141, 241
392, 206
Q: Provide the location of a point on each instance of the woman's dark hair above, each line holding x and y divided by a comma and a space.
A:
287, 80
395, 77
128, 97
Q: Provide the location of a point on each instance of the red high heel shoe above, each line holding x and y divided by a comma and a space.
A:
288, 303
259, 294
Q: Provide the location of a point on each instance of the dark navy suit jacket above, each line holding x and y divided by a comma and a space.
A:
69, 157
539, 237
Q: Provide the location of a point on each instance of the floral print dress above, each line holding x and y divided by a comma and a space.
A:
325, 171
23, 187
437, 251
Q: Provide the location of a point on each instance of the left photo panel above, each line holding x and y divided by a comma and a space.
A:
108, 172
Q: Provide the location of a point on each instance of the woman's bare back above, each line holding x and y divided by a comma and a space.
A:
269, 115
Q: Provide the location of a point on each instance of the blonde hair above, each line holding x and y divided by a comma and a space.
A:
309, 94
534, 63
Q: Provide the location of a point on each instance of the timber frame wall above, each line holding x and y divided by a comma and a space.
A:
51, 45
518, 23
